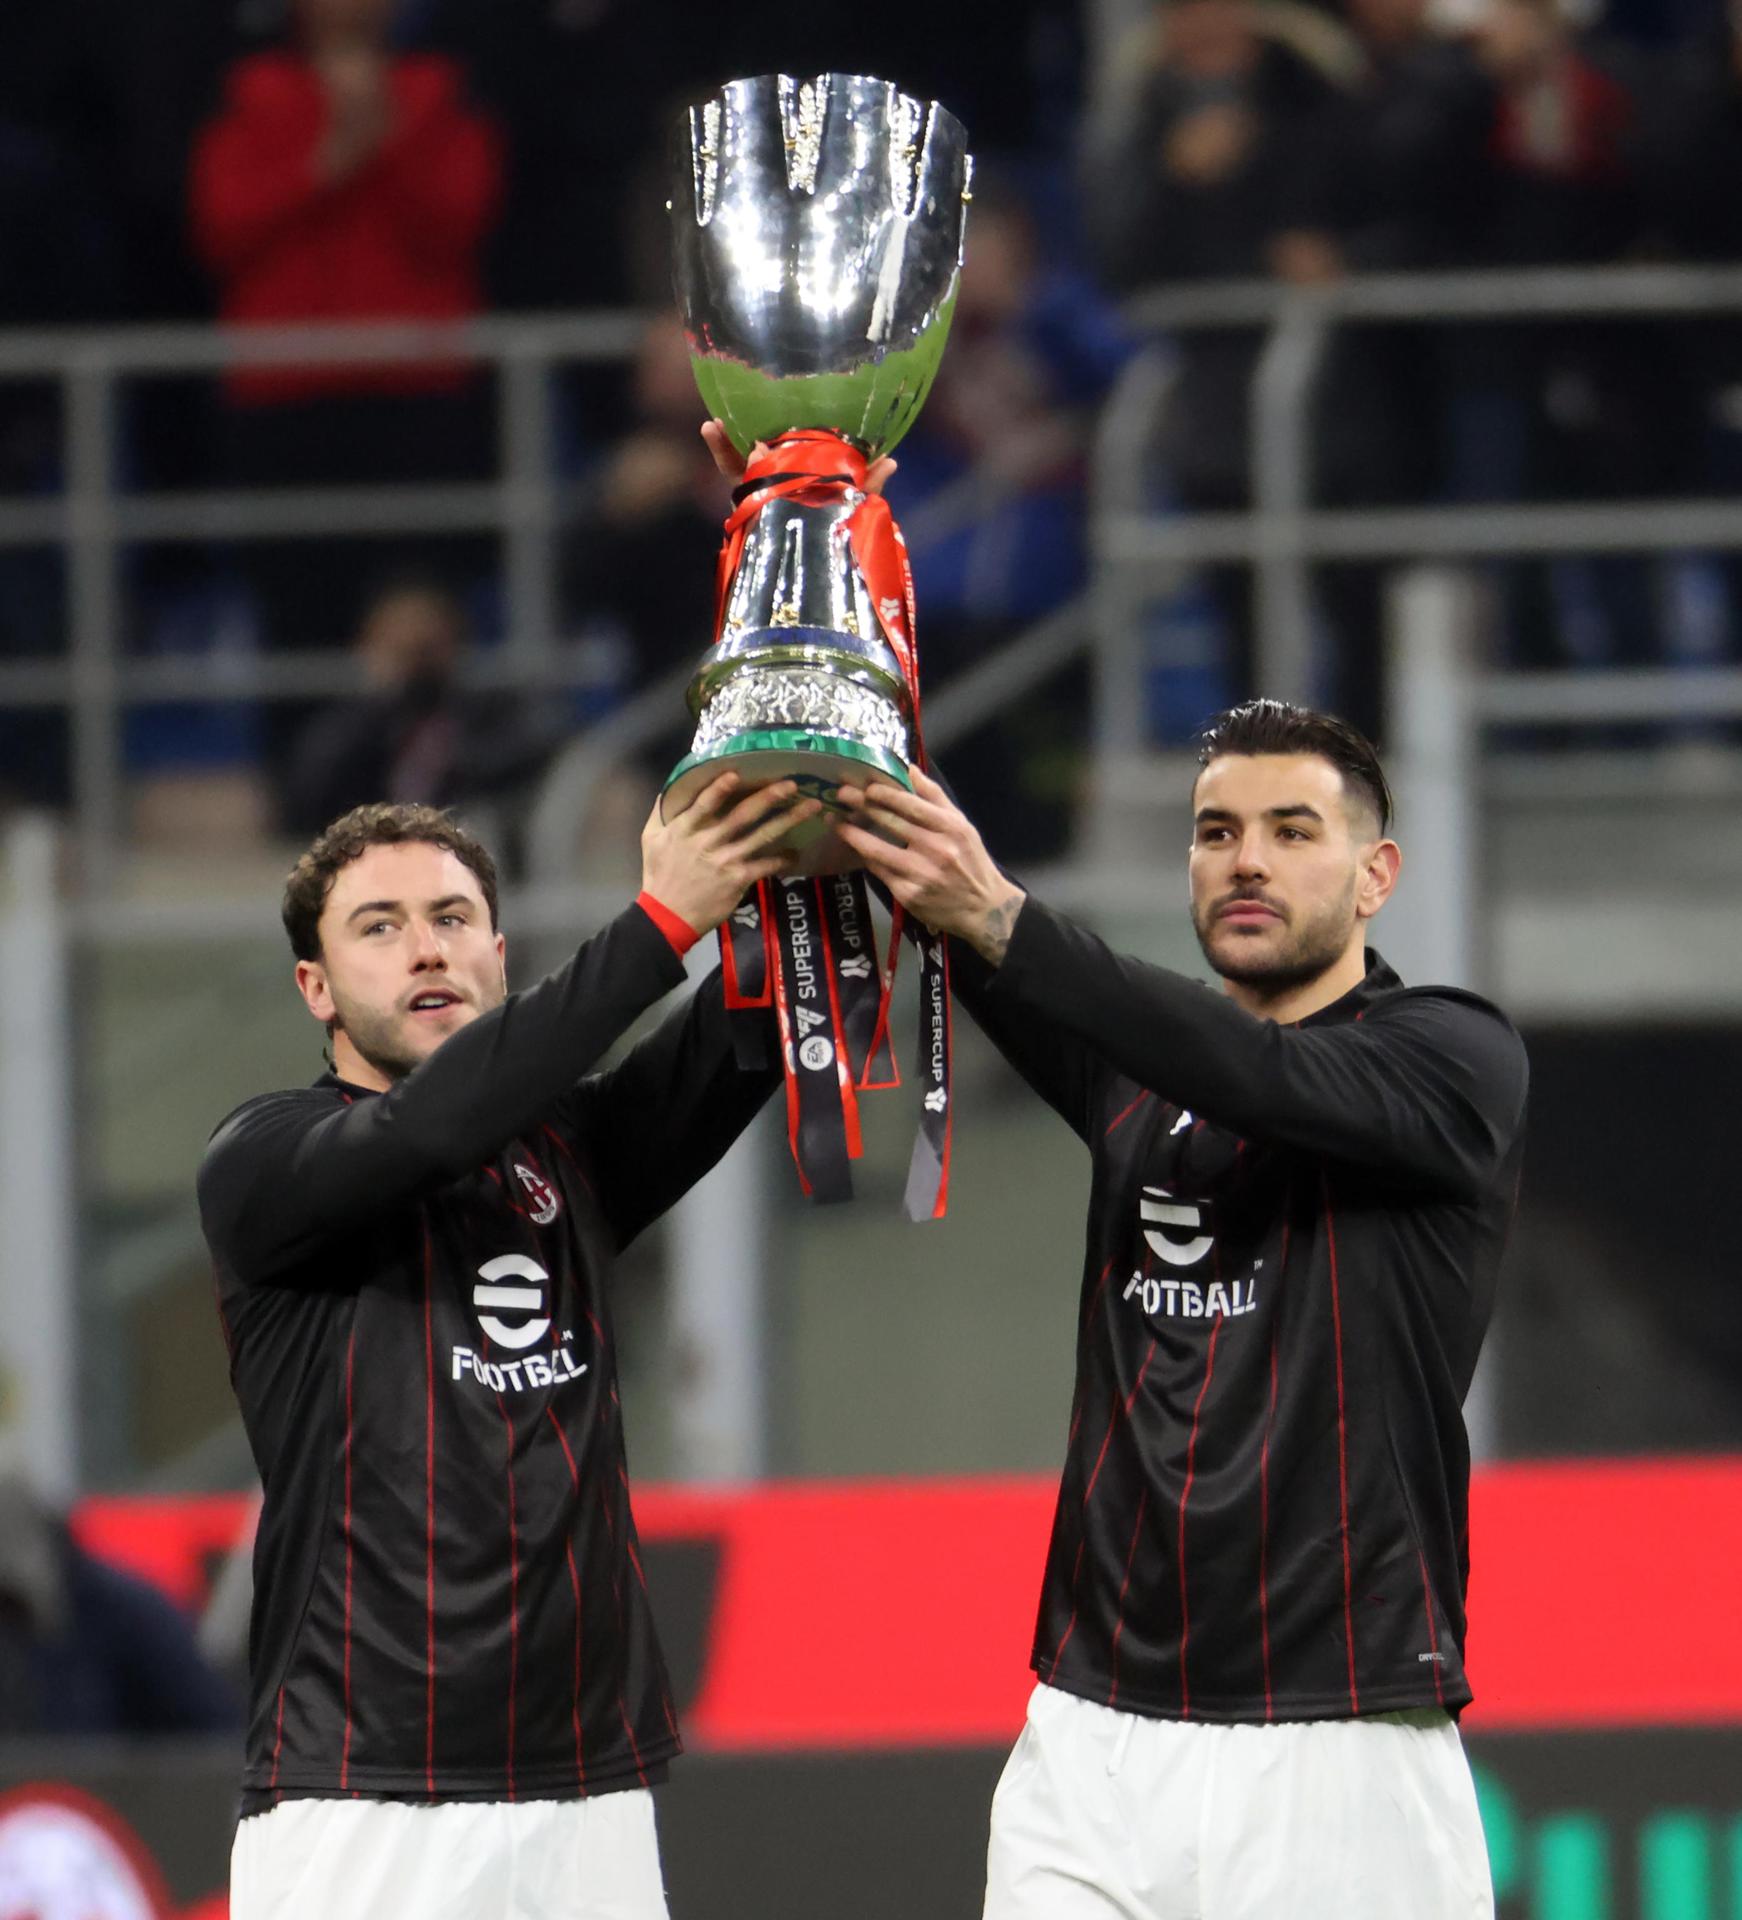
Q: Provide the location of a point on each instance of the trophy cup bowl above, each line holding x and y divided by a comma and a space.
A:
817, 242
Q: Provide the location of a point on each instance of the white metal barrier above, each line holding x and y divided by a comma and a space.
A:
1140, 551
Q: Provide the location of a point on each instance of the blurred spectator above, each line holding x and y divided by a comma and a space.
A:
88, 1649
1033, 349
1213, 163
639, 571
342, 181
1216, 158
120, 88
58, 264
1689, 157
1403, 187
578, 88
1563, 194
1216, 144
1558, 410
641, 558
417, 733
991, 496
1406, 185
1689, 146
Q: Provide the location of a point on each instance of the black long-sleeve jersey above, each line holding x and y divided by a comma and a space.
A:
448, 1594
1293, 1240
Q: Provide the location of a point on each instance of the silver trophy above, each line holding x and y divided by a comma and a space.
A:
817, 232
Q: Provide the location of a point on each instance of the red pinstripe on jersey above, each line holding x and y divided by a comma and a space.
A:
1124, 1589
1185, 1615
575, 1478
1342, 1447
1264, 1495
429, 1511
350, 1539
277, 1741
1433, 1635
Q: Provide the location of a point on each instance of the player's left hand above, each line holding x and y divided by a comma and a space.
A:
940, 870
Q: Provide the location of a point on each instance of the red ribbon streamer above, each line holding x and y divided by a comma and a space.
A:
817, 468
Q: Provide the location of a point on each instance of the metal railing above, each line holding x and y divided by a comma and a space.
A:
1139, 553
94, 519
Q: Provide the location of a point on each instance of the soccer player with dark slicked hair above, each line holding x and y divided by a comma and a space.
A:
457, 1700
1250, 1647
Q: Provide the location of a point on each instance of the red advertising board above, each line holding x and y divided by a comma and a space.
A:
847, 1614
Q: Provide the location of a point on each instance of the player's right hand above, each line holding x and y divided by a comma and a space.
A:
700, 862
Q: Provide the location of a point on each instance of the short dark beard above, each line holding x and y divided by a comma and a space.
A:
1311, 952
369, 1035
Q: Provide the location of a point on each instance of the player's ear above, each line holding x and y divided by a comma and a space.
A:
317, 993
502, 958
1377, 878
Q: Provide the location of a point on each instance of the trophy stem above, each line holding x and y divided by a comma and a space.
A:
813, 676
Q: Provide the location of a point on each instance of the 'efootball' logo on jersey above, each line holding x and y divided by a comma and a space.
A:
511, 1285
541, 1194
1173, 1228
491, 1294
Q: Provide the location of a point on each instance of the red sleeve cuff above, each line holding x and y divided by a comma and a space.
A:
679, 933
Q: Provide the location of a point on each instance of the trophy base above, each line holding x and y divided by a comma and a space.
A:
818, 762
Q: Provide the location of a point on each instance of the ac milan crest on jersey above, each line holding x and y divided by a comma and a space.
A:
540, 1192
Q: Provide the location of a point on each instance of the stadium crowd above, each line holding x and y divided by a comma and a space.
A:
281, 160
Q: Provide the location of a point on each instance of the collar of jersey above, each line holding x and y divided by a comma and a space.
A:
330, 1082
1378, 979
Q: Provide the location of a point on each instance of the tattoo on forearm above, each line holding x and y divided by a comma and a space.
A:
994, 941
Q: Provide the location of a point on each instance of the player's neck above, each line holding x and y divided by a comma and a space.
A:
354, 1070
1307, 997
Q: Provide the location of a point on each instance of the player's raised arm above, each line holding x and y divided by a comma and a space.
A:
1433, 1086
400, 957
660, 1118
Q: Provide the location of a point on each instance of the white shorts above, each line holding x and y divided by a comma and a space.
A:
593, 1859
1102, 1815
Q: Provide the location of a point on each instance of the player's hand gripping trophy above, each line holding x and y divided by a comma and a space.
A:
817, 232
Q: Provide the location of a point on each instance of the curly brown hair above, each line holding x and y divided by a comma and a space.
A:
380, 824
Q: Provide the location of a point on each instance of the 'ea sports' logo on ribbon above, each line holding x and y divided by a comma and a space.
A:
540, 1192
491, 1299
814, 1050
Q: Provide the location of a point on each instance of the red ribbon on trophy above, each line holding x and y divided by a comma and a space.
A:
804, 948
